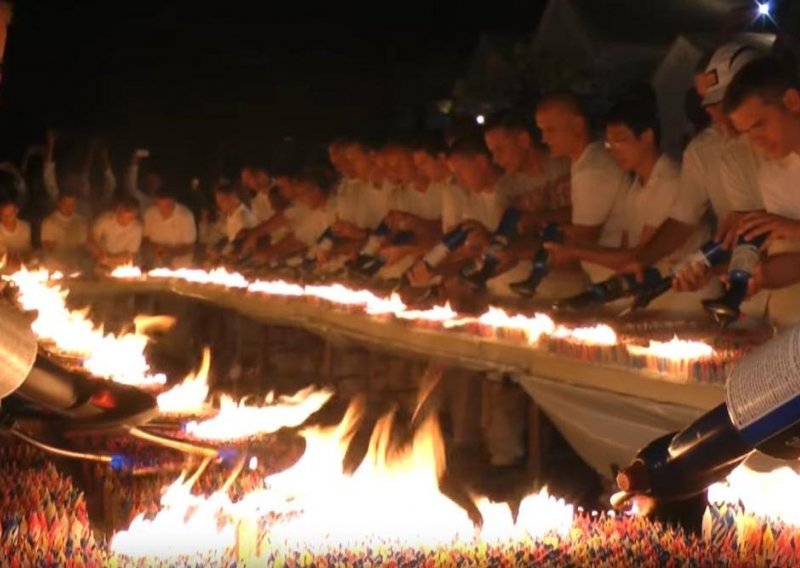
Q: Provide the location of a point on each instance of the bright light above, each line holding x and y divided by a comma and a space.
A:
480, 119
763, 9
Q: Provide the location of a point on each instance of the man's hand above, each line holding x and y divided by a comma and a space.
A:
759, 223
756, 282
420, 275
560, 253
727, 233
346, 230
636, 268
394, 253
692, 278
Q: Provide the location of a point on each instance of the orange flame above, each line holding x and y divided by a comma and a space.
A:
190, 395
674, 350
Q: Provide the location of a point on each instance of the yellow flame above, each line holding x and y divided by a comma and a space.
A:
764, 494
126, 271
190, 395
116, 357
237, 420
594, 335
534, 328
393, 497
150, 324
674, 350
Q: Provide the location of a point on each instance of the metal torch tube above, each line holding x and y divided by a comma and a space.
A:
180, 445
58, 451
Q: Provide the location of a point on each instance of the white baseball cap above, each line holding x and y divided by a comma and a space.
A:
723, 67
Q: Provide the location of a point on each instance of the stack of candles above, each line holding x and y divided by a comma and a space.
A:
43, 517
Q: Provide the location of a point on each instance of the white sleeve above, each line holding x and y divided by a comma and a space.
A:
136, 240
662, 202
49, 180
693, 199
189, 229
741, 189
594, 194
109, 184
47, 233
132, 184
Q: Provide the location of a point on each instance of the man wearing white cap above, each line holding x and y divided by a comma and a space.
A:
763, 102
715, 179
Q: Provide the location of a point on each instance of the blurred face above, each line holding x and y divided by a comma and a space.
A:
432, 167
360, 162
509, 148
471, 172
627, 149
561, 129
151, 183
165, 206
308, 194
774, 129
8, 214
285, 186
399, 165
67, 206
126, 217
223, 202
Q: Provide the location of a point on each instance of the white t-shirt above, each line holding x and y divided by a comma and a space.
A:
649, 205
597, 183
16, 241
424, 204
67, 233
779, 186
364, 204
307, 225
459, 204
739, 170
701, 179
177, 229
241, 218
113, 238
261, 206
550, 190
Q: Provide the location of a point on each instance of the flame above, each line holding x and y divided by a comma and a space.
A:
126, 271
435, 314
595, 335
393, 497
217, 276
765, 494
276, 288
116, 357
237, 420
149, 324
190, 395
534, 328
674, 350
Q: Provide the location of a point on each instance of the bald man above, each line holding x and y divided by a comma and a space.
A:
597, 181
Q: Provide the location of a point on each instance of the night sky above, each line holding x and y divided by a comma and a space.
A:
187, 81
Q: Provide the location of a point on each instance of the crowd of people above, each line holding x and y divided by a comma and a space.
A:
476, 212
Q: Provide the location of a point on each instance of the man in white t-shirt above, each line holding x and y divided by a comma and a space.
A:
116, 236
703, 189
534, 185
413, 220
763, 102
257, 181
64, 233
237, 219
596, 181
312, 190
471, 212
15, 234
170, 232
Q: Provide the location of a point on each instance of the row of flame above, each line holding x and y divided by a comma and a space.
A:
385, 496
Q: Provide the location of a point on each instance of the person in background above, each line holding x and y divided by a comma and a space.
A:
471, 211
170, 233
143, 183
15, 234
414, 218
77, 182
64, 233
313, 189
236, 220
257, 182
116, 236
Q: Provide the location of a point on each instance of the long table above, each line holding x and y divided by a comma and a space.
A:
605, 411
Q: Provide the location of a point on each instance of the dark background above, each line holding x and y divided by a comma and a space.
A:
187, 80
